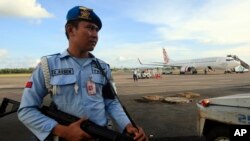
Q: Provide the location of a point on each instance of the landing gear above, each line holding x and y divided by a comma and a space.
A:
205, 71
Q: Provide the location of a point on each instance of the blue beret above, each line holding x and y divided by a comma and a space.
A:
83, 13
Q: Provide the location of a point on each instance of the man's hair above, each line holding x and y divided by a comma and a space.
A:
73, 23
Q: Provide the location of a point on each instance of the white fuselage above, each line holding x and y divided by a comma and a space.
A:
209, 62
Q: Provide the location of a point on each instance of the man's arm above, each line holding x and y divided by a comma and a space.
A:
31, 101
138, 133
114, 107
70, 130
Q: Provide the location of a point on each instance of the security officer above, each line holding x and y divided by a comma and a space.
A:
77, 85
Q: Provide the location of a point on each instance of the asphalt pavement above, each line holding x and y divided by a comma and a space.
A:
161, 121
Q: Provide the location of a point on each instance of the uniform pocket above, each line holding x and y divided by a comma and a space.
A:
63, 84
98, 79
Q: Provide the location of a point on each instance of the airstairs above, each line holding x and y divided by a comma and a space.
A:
244, 64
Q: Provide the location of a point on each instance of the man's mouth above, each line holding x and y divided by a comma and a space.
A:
93, 43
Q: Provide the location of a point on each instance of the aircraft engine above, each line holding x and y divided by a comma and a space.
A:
190, 69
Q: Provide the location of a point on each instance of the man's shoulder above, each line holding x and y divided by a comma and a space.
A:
52, 55
102, 62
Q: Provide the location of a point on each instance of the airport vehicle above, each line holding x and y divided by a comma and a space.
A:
192, 65
240, 69
218, 115
143, 74
167, 71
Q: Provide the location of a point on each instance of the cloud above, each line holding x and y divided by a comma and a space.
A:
23, 8
209, 22
18, 62
218, 23
241, 51
126, 54
121, 58
129, 50
3, 53
188, 29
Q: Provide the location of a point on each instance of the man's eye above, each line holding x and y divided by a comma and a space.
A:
93, 28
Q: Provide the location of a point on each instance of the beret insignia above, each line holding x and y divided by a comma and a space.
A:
85, 13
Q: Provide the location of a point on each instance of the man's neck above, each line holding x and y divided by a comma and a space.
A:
78, 53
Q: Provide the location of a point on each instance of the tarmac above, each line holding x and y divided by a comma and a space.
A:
161, 121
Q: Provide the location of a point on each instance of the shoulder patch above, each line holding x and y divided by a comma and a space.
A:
29, 84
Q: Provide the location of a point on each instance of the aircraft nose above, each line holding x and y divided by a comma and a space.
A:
237, 63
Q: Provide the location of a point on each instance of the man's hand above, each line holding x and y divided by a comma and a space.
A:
73, 132
139, 134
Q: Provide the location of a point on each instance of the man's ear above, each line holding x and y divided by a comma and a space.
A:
70, 30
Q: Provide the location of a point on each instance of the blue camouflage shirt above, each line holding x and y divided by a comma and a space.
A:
69, 80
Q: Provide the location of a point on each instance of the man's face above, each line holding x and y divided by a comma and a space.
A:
85, 37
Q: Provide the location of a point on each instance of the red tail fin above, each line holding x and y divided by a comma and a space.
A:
165, 56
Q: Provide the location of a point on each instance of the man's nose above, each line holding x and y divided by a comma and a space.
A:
94, 33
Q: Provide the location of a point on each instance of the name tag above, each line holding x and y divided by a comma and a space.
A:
91, 88
63, 71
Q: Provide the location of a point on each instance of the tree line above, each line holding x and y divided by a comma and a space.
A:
30, 70
16, 70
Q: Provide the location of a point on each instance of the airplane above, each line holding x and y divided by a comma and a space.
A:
192, 65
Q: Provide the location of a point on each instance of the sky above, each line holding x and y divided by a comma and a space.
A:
187, 29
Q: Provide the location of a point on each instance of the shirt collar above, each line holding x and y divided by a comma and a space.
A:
66, 54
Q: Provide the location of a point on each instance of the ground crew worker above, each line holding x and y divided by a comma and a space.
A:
135, 77
77, 85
